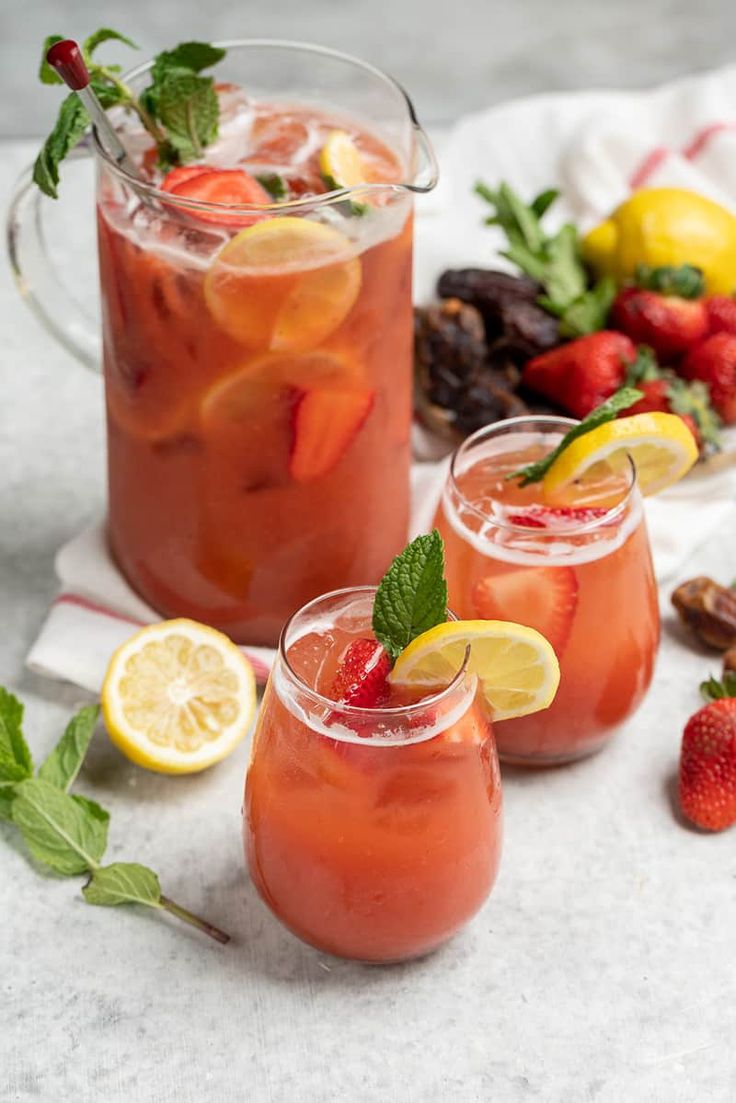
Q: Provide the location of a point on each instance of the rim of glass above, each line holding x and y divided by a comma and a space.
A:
549, 421
354, 710
339, 194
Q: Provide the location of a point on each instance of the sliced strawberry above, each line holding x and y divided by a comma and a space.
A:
325, 424
557, 517
361, 679
544, 598
182, 173
225, 186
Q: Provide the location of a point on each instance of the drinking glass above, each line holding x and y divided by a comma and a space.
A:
250, 406
372, 834
581, 574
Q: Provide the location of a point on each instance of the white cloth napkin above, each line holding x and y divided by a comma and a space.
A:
596, 146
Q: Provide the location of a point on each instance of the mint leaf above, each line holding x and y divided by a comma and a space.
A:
105, 34
70, 125
63, 764
123, 883
274, 184
188, 107
16, 762
348, 207
412, 596
188, 55
66, 833
45, 72
7, 795
607, 411
544, 201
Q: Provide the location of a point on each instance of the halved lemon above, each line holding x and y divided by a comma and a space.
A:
340, 160
661, 445
178, 697
283, 284
516, 666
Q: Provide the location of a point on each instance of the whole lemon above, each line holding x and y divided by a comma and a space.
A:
666, 226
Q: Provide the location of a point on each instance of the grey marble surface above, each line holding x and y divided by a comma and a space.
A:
600, 970
452, 57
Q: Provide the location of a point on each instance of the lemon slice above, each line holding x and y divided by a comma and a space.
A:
516, 666
661, 445
283, 284
178, 696
341, 161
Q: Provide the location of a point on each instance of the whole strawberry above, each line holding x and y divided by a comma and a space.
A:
663, 310
708, 759
713, 361
663, 391
721, 311
581, 374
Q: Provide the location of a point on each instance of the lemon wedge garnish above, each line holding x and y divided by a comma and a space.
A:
516, 666
283, 284
661, 446
178, 697
340, 160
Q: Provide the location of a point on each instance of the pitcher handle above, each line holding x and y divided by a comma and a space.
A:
37, 280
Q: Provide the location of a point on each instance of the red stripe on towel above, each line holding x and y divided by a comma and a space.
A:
703, 137
648, 167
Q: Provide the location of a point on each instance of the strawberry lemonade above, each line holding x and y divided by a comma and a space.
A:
257, 352
580, 573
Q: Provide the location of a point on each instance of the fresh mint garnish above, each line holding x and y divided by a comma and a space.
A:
607, 411
412, 596
349, 207
65, 761
274, 184
553, 261
179, 108
68, 832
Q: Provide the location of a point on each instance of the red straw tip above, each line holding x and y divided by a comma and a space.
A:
66, 58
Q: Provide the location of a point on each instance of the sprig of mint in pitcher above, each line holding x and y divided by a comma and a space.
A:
179, 108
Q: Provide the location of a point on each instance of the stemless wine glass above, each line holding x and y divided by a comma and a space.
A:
253, 393
581, 574
372, 834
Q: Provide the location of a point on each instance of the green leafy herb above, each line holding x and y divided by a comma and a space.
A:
274, 184
553, 261
16, 762
68, 832
349, 207
64, 762
57, 829
714, 690
412, 595
179, 109
607, 411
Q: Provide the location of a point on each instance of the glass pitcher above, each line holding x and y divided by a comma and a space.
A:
257, 357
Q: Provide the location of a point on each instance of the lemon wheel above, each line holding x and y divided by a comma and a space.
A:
178, 697
661, 446
516, 666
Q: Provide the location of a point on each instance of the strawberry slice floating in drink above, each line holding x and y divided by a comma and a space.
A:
325, 424
218, 186
544, 598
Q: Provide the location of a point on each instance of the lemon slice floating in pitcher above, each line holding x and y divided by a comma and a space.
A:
178, 697
661, 445
340, 161
516, 666
283, 284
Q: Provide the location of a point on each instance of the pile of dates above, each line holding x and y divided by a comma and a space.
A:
469, 349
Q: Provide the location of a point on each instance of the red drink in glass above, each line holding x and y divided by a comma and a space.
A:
371, 834
581, 575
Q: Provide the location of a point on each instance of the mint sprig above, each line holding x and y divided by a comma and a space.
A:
607, 411
68, 832
179, 108
412, 596
554, 261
